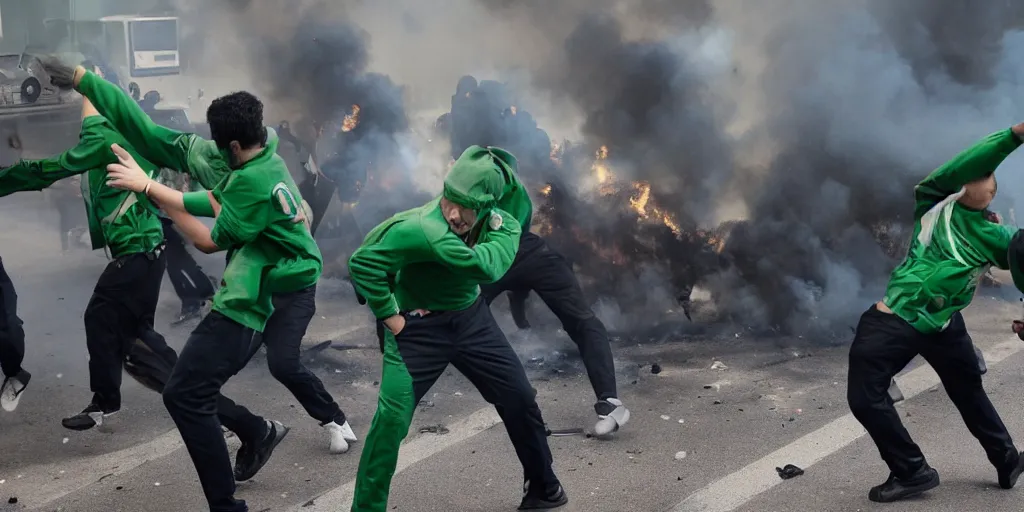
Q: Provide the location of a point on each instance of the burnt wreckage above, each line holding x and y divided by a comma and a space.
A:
614, 230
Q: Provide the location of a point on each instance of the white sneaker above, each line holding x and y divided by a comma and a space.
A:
341, 436
611, 416
10, 393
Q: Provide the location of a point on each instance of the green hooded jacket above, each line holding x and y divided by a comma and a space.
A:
267, 251
953, 245
483, 170
415, 261
122, 221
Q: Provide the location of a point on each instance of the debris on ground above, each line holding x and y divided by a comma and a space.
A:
13, 500
718, 365
655, 368
65, 441
789, 471
561, 432
458, 393
434, 429
665, 417
425, 403
680, 455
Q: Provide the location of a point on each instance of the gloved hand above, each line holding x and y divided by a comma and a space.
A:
61, 74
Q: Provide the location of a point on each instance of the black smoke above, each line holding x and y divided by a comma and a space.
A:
842, 109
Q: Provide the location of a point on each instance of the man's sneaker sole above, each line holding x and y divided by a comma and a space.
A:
88, 421
907, 491
9, 396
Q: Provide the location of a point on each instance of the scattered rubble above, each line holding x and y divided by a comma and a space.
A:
789, 471
655, 368
680, 455
434, 429
665, 417
13, 500
718, 365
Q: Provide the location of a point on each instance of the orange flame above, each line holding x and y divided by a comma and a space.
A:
351, 120
639, 202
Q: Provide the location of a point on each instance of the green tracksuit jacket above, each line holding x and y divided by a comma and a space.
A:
953, 245
414, 261
122, 221
267, 252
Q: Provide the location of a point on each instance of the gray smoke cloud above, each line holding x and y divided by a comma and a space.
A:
790, 135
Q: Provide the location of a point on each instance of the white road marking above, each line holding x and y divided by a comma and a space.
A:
46, 483
420, 447
733, 491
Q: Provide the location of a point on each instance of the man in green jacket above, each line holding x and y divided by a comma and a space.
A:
955, 242
126, 294
209, 165
273, 265
420, 273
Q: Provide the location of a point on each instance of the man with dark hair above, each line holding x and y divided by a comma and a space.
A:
268, 285
419, 272
955, 241
12, 345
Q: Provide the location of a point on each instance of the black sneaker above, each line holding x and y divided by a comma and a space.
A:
13, 387
1011, 470
91, 416
895, 489
250, 459
535, 501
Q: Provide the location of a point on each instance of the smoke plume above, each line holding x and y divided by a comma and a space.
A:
765, 153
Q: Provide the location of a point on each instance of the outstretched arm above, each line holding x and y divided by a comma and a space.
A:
974, 163
161, 145
91, 152
126, 174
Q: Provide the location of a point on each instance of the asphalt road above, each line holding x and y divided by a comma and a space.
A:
701, 439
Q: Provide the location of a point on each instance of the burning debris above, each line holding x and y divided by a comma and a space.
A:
724, 148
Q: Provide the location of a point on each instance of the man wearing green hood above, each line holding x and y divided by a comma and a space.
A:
956, 239
420, 273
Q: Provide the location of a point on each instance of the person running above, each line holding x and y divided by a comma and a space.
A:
124, 300
955, 241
